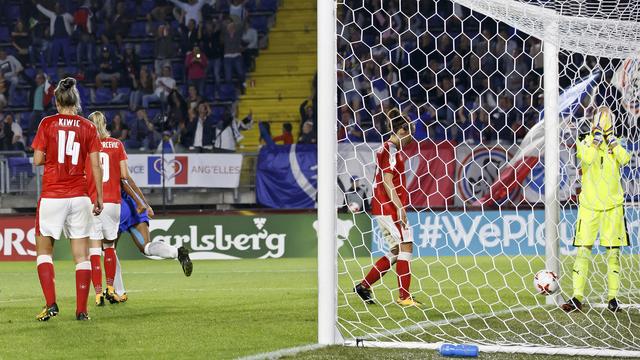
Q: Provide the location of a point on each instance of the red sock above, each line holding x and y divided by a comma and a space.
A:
377, 271
110, 265
404, 277
96, 273
83, 283
47, 278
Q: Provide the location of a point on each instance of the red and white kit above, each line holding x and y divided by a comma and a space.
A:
64, 204
105, 225
390, 160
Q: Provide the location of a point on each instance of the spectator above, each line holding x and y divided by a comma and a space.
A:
21, 41
237, 10
191, 10
140, 86
250, 39
41, 96
178, 110
13, 139
118, 26
188, 36
11, 68
232, 38
307, 136
164, 48
163, 86
161, 9
228, 132
40, 49
196, 63
130, 65
109, 69
83, 17
119, 129
201, 131
287, 135
60, 29
193, 97
306, 112
264, 129
212, 47
143, 133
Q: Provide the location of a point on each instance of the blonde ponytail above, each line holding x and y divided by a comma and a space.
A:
100, 121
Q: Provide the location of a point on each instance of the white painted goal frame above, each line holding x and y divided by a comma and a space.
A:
328, 331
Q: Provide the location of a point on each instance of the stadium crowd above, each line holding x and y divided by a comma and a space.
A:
448, 77
167, 73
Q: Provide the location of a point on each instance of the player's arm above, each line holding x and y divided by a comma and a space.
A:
129, 186
585, 151
96, 170
38, 158
619, 153
387, 180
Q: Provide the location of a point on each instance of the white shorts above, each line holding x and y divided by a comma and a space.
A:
105, 225
71, 215
392, 232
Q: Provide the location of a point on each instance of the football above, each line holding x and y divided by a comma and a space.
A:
546, 282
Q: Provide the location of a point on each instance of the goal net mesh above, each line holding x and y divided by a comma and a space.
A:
469, 74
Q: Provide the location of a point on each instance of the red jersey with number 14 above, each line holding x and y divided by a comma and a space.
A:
110, 156
389, 160
66, 140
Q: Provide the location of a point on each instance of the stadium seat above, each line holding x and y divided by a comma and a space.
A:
13, 12
147, 50
20, 165
84, 94
103, 96
209, 92
217, 111
260, 23
152, 113
4, 34
178, 70
23, 120
30, 72
267, 5
226, 92
21, 97
138, 29
146, 7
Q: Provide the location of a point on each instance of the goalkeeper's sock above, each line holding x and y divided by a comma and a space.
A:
378, 270
47, 275
161, 249
404, 274
110, 264
613, 272
96, 269
83, 283
118, 284
580, 272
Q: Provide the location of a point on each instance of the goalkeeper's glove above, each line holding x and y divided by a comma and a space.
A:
598, 136
612, 141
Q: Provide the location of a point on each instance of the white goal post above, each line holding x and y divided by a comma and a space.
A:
474, 254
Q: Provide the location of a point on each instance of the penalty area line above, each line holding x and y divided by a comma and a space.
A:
283, 352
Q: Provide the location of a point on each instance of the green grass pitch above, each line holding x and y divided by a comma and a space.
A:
231, 309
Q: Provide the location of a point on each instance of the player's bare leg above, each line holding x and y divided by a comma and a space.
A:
141, 237
46, 274
95, 252
80, 253
379, 269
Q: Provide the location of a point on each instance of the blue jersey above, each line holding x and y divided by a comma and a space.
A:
129, 217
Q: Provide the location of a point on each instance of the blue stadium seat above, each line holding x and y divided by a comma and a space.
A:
260, 23
226, 92
21, 97
85, 97
267, 5
13, 11
109, 114
30, 72
250, 5
24, 118
103, 96
4, 34
146, 7
20, 165
152, 113
178, 70
147, 50
209, 92
138, 29
217, 112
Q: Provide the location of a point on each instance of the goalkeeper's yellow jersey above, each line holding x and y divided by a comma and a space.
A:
601, 179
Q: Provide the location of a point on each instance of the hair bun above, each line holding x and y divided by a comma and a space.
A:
68, 83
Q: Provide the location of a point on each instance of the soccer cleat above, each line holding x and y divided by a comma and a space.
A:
99, 300
111, 296
614, 305
410, 301
572, 304
124, 298
364, 293
185, 261
48, 312
83, 317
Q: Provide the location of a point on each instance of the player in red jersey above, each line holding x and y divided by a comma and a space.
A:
62, 144
390, 200
113, 159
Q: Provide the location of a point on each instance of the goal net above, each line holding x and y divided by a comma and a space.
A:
499, 92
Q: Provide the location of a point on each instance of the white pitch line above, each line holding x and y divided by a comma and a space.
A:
283, 352
423, 325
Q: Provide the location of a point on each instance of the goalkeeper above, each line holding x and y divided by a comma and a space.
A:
600, 207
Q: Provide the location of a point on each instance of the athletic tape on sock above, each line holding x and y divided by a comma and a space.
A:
95, 251
407, 256
108, 244
146, 249
137, 236
41, 259
392, 257
85, 265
